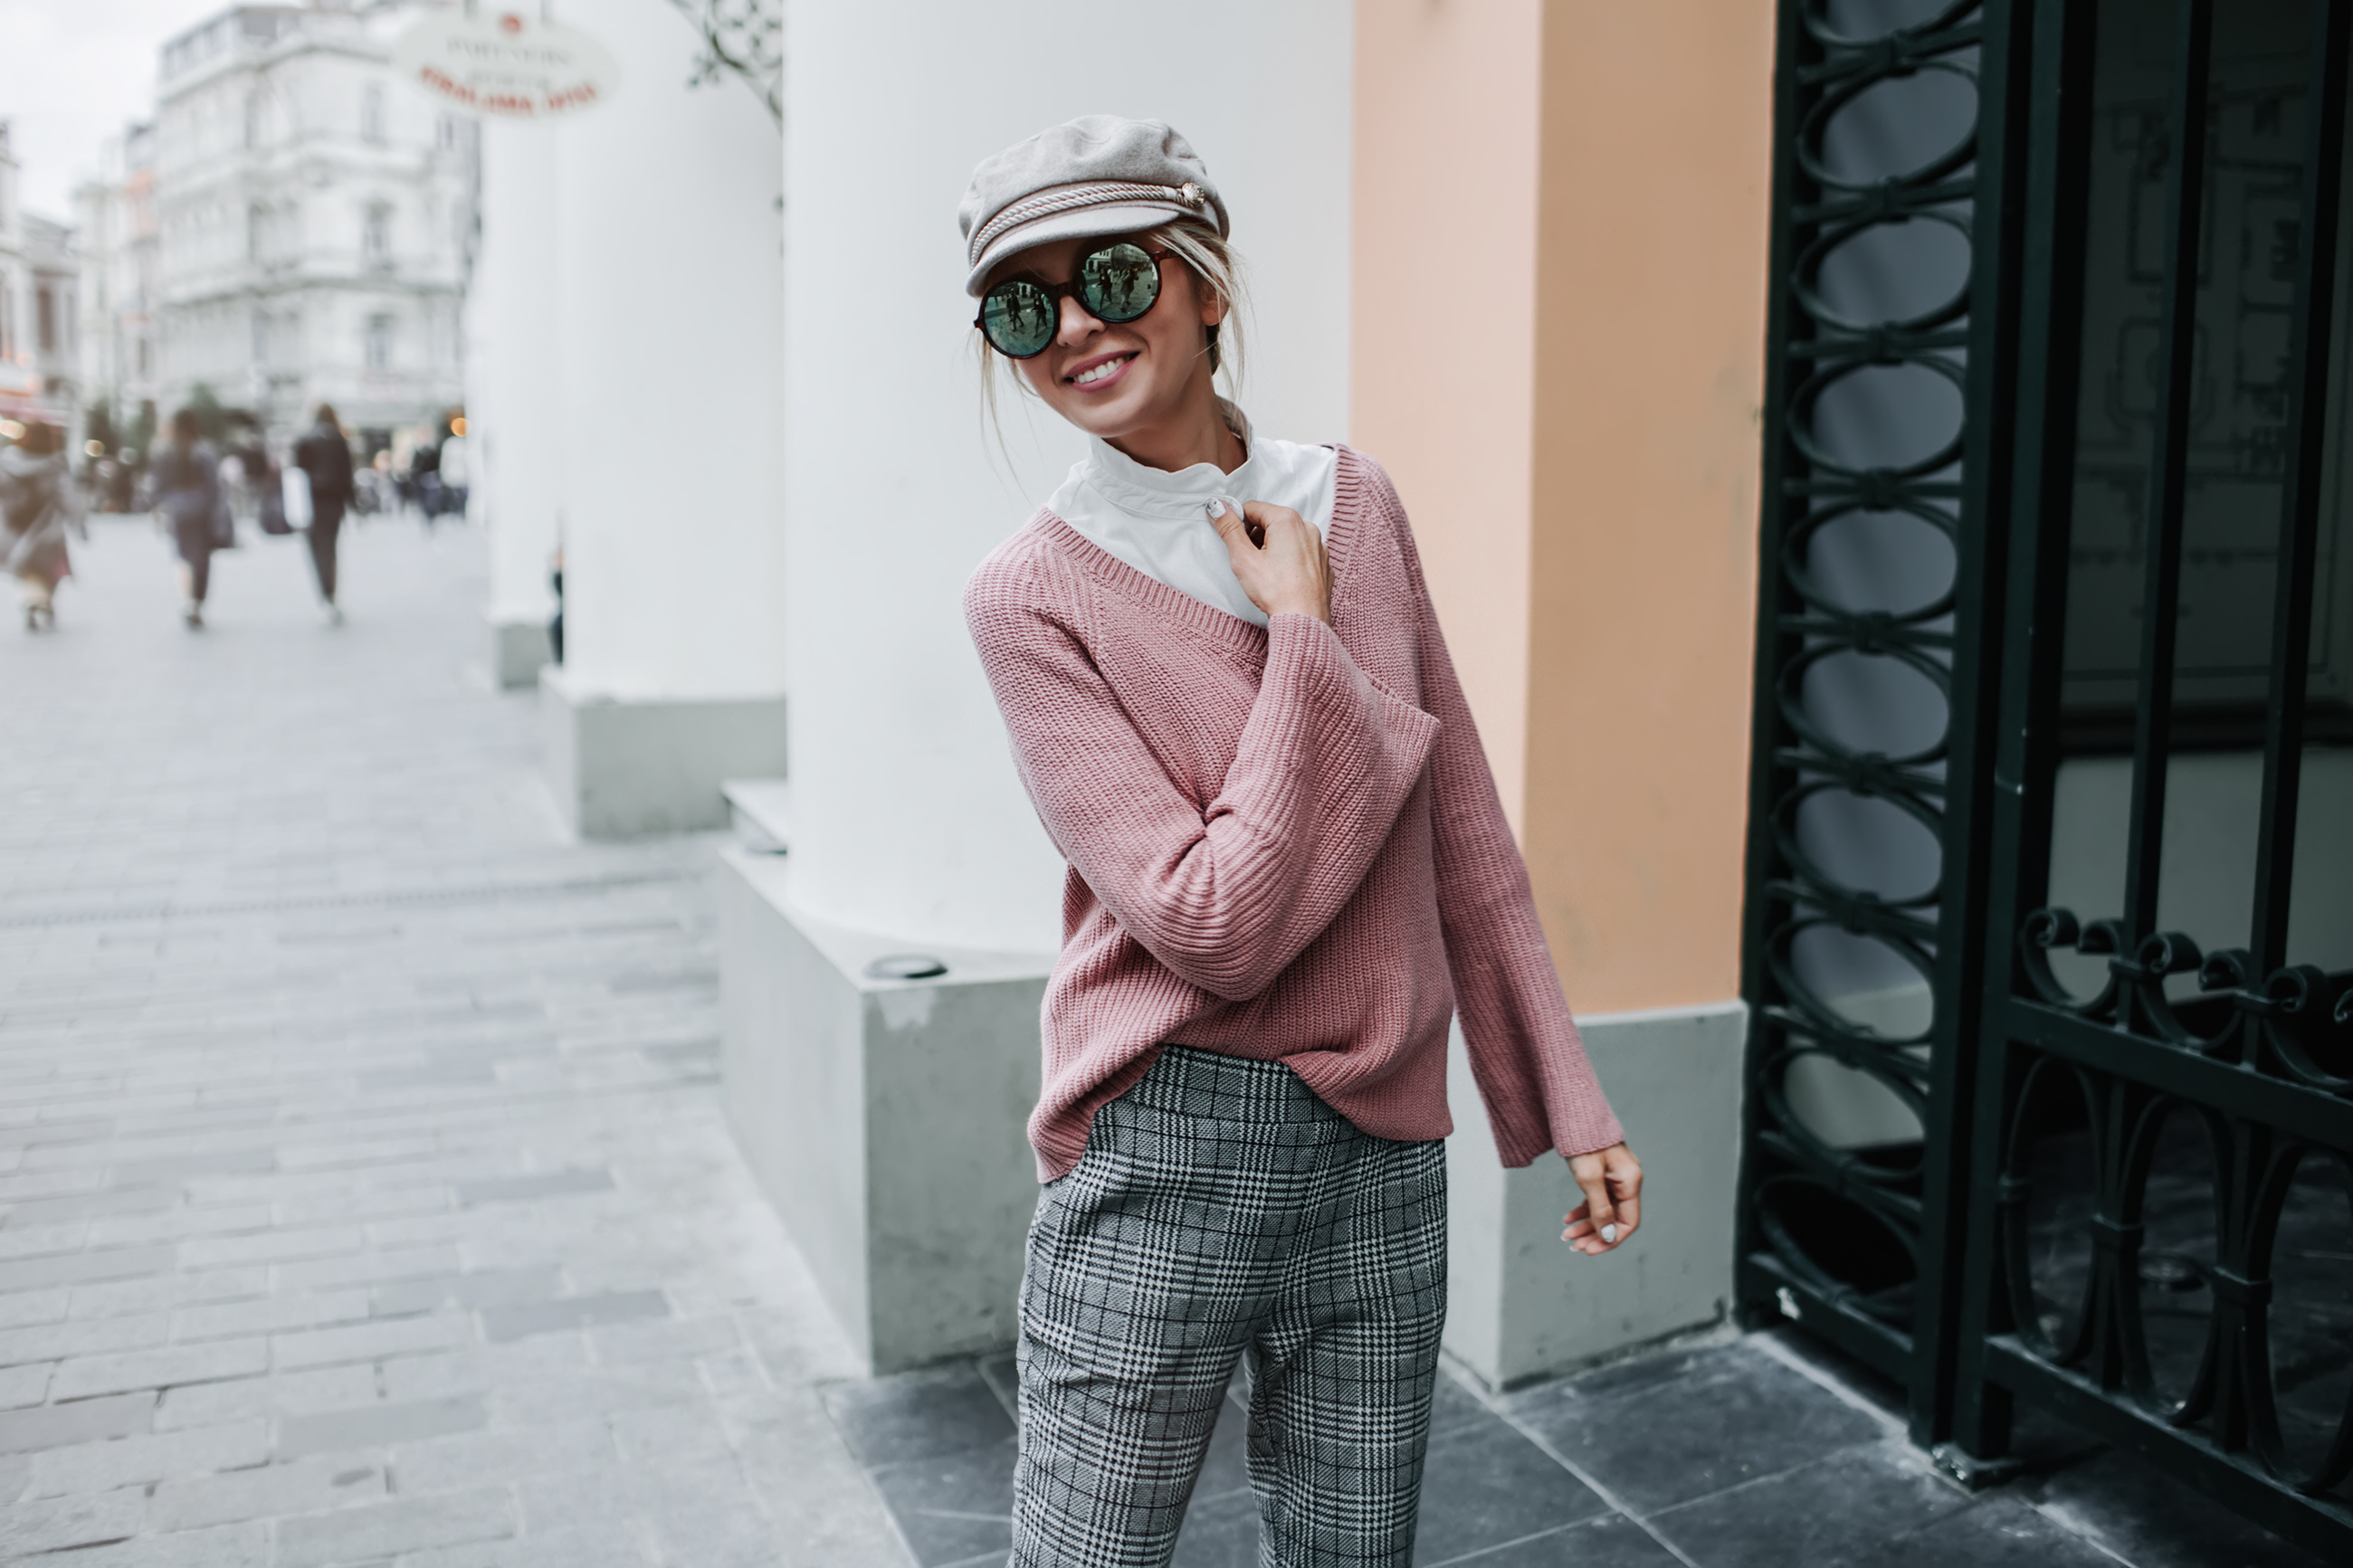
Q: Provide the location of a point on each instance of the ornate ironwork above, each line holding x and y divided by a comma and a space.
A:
2250, 1052
2130, 1141
1848, 191
745, 39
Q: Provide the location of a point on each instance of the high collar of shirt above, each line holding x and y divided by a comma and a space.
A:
1157, 522
1147, 491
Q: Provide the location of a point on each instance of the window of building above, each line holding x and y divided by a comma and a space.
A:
44, 308
253, 127
259, 346
377, 352
256, 232
376, 234
372, 113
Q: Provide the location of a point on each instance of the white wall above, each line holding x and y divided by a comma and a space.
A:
908, 817
515, 368
667, 299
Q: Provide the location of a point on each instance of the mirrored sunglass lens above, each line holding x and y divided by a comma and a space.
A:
1018, 318
1121, 283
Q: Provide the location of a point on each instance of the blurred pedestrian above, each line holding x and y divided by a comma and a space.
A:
39, 502
256, 473
456, 477
185, 493
424, 479
325, 455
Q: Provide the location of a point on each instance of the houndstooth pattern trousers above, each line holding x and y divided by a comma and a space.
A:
1221, 1210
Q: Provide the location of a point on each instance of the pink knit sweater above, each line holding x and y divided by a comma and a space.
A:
1283, 843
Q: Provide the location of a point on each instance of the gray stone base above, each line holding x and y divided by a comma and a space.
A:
619, 770
517, 650
1522, 1305
884, 1117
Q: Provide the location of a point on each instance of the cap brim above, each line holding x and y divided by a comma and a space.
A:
1083, 223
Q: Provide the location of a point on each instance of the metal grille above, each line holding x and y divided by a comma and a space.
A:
1860, 957
2164, 1150
2110, 1172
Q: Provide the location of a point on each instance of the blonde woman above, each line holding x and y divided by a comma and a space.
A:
1229, 699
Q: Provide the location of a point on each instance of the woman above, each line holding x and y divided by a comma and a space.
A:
187, 498
37, 503
1228, 699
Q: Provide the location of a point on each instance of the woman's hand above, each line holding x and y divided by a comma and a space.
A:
1612, 1182
1277, 558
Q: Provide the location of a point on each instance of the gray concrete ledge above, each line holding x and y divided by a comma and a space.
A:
517, 648
1520, 1304
622, 769
884, 1117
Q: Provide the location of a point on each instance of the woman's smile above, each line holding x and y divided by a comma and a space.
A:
1101, 371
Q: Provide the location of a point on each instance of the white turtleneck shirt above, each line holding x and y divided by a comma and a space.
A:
1157, 521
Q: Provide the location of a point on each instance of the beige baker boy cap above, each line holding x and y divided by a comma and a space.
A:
1093, 176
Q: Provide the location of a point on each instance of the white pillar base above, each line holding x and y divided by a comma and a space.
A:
621, 770
884, 1117
1520, 1304
517, 650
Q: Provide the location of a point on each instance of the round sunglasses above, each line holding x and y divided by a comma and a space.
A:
1116, 284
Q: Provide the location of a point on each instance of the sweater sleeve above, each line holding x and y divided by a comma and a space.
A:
1225, 894
1525, 1054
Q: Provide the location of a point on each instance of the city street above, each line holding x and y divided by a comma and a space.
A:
364, 1198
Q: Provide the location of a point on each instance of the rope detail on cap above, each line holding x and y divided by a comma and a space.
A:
1070, 199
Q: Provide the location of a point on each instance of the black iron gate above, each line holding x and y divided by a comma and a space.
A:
2049, 936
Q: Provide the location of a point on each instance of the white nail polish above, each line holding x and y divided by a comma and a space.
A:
1609, 1233
1215, 508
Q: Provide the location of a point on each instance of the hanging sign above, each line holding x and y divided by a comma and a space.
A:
505, 64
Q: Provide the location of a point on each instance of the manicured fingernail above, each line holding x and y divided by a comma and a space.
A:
1564, 1236
1608, 1233
1215, 508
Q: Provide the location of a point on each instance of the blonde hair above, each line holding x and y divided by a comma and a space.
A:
1214, 267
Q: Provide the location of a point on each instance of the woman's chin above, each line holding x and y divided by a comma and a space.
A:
1109, 414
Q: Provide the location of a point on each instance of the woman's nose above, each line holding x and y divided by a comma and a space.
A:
1077, 326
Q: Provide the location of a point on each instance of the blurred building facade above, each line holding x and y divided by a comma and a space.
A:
37, 287
314, 220
116, 236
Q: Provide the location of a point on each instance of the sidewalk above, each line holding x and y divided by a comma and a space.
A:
367, 1195
365, 1198
1763, 1452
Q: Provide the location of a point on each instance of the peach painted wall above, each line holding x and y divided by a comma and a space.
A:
1444, 213
1579, 445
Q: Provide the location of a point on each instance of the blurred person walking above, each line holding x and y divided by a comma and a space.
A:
39, 501
185, 493
255, 473
325, 455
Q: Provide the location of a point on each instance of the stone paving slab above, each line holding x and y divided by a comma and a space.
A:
1765, 1452
365, 1196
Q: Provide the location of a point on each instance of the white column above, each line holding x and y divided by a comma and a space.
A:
667, 304
514, 370
885, 1115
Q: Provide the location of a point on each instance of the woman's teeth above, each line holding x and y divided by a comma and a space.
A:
1101, 371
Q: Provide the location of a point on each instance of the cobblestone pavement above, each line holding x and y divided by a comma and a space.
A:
364, 1193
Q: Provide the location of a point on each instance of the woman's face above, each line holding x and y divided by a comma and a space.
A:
1114, 381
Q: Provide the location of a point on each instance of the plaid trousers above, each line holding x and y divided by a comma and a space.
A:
1222, 1210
